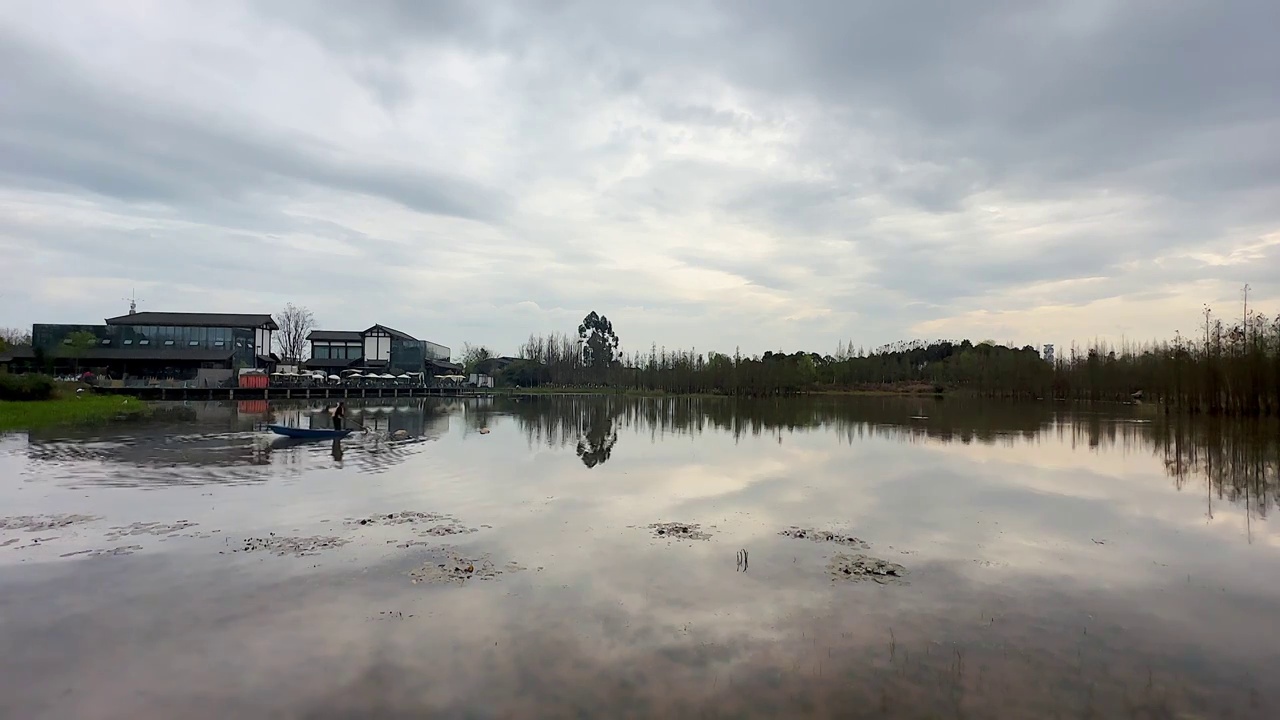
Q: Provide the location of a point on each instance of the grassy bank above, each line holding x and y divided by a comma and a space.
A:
72, 410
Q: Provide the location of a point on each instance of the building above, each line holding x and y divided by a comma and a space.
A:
495, 365
175, 346
377, 349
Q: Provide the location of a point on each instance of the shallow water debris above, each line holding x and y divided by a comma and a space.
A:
121, 550
457, 568
441, 525
863, 567
40, 523
679, 531
800, 533
298, 546
148, 528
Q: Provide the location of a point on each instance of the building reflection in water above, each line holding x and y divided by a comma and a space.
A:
1231, 460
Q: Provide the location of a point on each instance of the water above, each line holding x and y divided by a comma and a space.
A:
1059, 563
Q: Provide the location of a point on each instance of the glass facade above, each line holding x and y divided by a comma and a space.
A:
180, 336
50, 337
143, 338
407, 355
336, 350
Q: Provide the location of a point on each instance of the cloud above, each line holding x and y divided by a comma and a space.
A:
712, 173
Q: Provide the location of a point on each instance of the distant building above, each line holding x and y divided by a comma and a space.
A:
1048, 353
380, 349
495, 365
153, 344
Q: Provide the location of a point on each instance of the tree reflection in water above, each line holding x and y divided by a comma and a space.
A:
596, 441
1238, 460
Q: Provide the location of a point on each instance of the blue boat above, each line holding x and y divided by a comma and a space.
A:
308, 433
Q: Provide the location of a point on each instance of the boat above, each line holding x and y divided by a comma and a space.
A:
308, 433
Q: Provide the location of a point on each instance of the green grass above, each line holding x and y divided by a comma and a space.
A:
82, 410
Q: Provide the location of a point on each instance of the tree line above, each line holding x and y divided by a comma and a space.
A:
1229, 367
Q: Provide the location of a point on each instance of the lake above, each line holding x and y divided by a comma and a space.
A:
578, 556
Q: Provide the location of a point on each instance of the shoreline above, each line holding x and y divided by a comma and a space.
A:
86, 409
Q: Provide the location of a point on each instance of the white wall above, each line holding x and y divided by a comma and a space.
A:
262, 342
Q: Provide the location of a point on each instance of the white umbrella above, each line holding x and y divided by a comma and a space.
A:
277, 374
334, 377
354, 375
388, 376
402, 376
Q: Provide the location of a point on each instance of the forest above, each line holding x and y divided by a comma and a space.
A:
1228, 367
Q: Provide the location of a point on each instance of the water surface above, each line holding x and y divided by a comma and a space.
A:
1060, 562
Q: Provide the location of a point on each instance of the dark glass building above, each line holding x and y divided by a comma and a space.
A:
152, 344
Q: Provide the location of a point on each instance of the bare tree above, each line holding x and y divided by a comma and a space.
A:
473, 355
295, 324
12, 337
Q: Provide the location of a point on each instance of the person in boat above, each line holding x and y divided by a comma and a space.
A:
339, 415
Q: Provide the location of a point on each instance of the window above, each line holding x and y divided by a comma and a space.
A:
218, 343
144, 341
193, 343
128, 342
168, 342
106, 341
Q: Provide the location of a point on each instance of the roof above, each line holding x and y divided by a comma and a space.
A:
151, 353
340, 335
445, 365
222, 320
16, 351
393, 333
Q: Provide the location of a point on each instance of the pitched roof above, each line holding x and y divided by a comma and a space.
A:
223, 320
393, 333
16, 351
340, 335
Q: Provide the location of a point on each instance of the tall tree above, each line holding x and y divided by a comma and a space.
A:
79, 344
473, 355
599, 342
295, 324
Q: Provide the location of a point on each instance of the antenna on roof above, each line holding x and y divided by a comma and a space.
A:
133, 302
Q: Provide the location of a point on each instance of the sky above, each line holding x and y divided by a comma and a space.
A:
713, 174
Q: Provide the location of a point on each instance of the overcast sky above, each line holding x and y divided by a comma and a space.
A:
769, 175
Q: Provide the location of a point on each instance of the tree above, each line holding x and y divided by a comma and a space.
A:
79, 344
295, 324
473, 355
599, 342
596, 440
13, 337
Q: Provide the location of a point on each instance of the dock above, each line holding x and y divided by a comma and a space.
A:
336, 392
